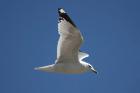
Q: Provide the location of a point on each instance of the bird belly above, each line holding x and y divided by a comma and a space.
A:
70, 68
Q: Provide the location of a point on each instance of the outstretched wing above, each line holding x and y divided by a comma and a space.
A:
70, 38
82, 55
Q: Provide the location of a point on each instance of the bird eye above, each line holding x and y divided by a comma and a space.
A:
89, 66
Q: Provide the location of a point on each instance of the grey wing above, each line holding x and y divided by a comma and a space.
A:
70, 39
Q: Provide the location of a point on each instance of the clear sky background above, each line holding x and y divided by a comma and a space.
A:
28, 39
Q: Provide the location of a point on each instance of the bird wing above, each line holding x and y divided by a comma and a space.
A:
70, 39
82, 55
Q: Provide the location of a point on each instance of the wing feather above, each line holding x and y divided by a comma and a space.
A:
70, 38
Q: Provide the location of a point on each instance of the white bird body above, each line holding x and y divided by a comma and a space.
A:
69, 58
64, 68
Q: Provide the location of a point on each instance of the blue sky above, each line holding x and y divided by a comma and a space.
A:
28, 38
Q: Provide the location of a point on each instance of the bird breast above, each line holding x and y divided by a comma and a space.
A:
69, 68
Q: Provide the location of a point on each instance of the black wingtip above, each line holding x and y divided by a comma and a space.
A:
61, 11
59, 8
64, 15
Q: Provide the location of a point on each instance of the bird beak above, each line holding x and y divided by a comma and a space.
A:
94, 70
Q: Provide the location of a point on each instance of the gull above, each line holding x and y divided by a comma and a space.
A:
69, 57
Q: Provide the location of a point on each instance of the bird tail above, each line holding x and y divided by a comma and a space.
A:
48, 68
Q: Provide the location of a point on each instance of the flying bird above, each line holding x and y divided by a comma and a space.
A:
69, 57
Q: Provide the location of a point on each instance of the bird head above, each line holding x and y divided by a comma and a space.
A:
91, 68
